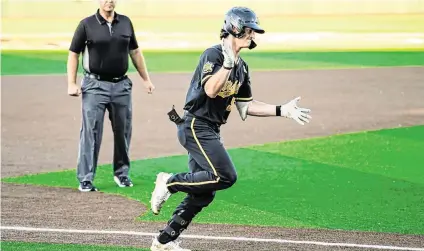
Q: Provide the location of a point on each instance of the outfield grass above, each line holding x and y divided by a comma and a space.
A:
54, 62
369, 181
29, 246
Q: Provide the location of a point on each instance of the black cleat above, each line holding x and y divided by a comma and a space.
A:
123, 181
87, 186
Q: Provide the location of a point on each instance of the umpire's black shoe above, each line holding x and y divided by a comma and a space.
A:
87, 186
123, 181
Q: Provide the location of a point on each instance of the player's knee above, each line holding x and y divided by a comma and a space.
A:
232, 178
229, 179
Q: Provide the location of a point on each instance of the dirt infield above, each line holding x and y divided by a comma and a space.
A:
40, 128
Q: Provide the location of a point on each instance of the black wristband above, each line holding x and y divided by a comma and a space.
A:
228, 68
278, 110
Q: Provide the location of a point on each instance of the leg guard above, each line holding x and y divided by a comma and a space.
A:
178, 223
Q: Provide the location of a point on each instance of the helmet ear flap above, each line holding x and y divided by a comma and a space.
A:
232, 28
228, 27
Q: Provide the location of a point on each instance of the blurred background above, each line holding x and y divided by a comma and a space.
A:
195, 24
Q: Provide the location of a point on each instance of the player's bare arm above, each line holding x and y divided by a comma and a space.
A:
260, 109
72, 68
215, 83
139, 63
288, 110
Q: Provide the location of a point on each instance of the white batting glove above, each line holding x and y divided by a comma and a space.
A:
291, 110
227, 51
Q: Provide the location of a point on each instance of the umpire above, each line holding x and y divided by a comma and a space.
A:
105, 40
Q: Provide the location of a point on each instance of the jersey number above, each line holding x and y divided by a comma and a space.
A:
233, 100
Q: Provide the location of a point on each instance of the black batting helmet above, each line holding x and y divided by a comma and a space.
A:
237, 19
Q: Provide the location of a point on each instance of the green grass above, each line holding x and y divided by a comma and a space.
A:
368, 181
54, 62
30, 246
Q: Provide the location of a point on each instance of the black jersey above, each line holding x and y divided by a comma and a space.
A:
237, 88
105, 46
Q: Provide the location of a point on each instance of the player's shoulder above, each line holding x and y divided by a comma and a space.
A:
214, 50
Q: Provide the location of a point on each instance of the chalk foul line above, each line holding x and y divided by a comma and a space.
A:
204, 237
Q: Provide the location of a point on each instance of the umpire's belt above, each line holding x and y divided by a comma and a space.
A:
105, 78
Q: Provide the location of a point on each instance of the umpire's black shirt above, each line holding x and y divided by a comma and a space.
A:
105, 46
237, 88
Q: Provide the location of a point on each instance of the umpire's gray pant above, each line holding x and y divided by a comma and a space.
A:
97, 96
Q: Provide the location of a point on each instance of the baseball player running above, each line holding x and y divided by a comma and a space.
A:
220, 80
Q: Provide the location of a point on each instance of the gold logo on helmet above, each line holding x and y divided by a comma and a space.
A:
207, 67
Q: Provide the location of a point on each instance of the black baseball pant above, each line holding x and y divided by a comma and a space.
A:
210, 169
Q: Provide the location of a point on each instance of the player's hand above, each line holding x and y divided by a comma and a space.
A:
149, 86
74, 90
291, 110
227, 51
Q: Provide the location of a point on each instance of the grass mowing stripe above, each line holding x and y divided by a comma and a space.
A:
276, 189
32, 246
50, 62
391, 153
333, 197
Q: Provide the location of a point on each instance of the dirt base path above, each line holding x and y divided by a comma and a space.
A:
59, 208
40, 128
